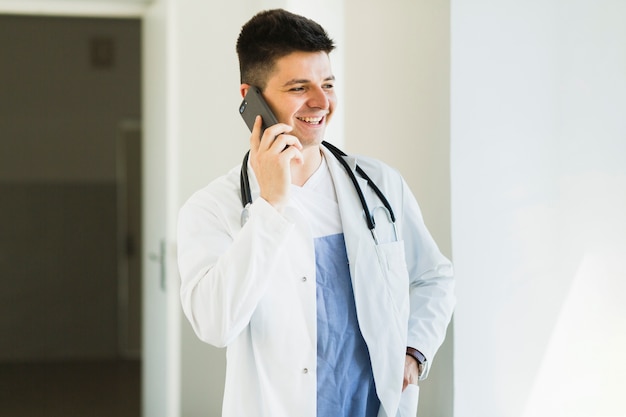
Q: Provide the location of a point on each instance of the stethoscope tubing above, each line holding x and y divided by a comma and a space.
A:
246, 195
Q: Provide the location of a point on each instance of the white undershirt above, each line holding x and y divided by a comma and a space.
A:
317, 199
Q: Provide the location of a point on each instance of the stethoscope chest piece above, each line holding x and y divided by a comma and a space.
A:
245, 214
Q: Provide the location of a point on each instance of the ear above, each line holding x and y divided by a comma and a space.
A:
243, 89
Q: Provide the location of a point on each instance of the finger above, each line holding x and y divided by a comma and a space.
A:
292, 154
283, 141
272, 133
255, 136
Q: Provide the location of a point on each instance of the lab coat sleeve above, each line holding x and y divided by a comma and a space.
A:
225, 268
431, 287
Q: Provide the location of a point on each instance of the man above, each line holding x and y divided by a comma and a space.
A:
320, 315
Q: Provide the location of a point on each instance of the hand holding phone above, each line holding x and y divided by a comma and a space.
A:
271, 157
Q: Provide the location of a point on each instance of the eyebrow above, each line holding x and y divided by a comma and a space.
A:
305, 81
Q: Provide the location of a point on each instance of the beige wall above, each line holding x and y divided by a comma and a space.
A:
397, 96
398, 109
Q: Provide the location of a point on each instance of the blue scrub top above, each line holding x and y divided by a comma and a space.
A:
345, 383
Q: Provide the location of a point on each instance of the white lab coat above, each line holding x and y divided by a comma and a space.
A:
252, 290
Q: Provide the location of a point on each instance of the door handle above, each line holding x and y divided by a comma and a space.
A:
160, 258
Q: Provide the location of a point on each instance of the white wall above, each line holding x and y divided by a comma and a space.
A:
538, 203
210, 139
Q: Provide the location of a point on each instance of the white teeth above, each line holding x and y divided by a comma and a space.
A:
311, 120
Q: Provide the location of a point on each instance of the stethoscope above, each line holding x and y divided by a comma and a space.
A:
246, 195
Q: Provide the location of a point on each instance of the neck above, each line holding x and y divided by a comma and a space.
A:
300, 173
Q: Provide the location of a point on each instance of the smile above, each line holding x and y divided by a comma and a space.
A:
311, 120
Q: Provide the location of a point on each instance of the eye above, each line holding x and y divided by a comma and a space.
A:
328, 86
297, 89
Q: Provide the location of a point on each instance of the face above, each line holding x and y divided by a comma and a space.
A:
300, 92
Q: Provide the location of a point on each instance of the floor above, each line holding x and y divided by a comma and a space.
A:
68, 389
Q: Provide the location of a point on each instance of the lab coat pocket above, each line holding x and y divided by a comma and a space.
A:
393, 265
408, 401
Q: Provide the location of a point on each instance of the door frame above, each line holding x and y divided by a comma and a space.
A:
84, 8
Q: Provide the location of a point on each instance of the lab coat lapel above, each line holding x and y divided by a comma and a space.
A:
352, 215
377, 317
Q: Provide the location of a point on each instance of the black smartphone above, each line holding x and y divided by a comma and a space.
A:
253, 105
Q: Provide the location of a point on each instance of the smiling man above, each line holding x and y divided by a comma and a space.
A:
330, 295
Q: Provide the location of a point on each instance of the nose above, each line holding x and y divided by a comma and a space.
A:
318, 98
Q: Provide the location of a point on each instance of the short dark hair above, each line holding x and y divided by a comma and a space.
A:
271, 35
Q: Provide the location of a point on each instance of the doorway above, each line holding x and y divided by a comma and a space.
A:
69, 87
